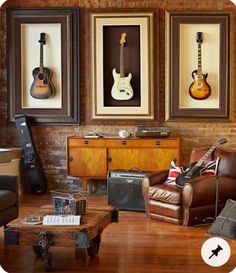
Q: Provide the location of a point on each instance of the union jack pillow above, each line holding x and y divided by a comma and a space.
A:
174, 172
210, 168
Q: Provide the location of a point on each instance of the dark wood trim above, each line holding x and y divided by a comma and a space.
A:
68, 18
224, 86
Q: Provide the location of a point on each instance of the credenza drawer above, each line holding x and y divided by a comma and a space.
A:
147, 143
84, 142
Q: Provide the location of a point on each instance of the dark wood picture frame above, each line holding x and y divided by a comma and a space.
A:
106, 29
217, 34
63, 108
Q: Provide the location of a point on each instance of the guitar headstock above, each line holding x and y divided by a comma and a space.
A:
199, 37
122, 38
222, 141
42, 38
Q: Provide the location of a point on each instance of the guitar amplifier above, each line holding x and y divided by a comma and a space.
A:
125, 189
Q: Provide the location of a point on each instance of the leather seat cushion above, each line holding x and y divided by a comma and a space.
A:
166, 193
7, 199
163, 210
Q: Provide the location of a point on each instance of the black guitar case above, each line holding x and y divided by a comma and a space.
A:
32, 167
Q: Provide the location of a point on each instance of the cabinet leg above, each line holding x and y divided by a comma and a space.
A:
84, 184
94, 246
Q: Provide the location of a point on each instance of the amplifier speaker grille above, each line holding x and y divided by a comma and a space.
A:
125, 190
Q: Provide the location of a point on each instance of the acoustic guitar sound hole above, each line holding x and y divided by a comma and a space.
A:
41, 76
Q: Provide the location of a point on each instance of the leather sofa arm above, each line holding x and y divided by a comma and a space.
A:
202, 190
9, 182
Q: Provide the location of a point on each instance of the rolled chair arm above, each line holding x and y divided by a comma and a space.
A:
9, 182
202, 190
155, 178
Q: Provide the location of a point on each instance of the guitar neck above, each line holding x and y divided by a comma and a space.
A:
199, 69
41, 59
122, 65
209, 151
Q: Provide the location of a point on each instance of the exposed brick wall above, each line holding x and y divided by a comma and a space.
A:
51, 140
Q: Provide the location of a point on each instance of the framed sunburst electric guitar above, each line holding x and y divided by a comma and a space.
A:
42, 87
122, 89
199, 88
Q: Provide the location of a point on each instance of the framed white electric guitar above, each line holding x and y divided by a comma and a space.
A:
122, 89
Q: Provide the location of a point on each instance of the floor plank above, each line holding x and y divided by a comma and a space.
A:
134, 245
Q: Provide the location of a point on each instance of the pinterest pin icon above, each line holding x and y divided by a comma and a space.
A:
1, 2
2, 270
215, 251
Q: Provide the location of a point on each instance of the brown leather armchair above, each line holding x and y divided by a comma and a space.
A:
195, 202
9, 199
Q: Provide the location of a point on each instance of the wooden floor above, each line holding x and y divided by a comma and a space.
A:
134, 245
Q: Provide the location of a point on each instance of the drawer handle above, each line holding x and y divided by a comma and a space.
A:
109, 159
158, 143
124, 142
71, 158
86, 142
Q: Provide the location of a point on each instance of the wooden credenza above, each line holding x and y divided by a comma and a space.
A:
92, 158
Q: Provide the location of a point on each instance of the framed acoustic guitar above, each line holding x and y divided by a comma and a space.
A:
199, 88
122, 89
42, 87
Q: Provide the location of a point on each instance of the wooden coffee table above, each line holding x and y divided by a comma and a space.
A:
85, 238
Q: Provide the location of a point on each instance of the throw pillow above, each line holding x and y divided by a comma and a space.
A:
208, 169
174, 172
225, 223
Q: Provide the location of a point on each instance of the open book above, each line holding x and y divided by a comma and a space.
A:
56, 220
